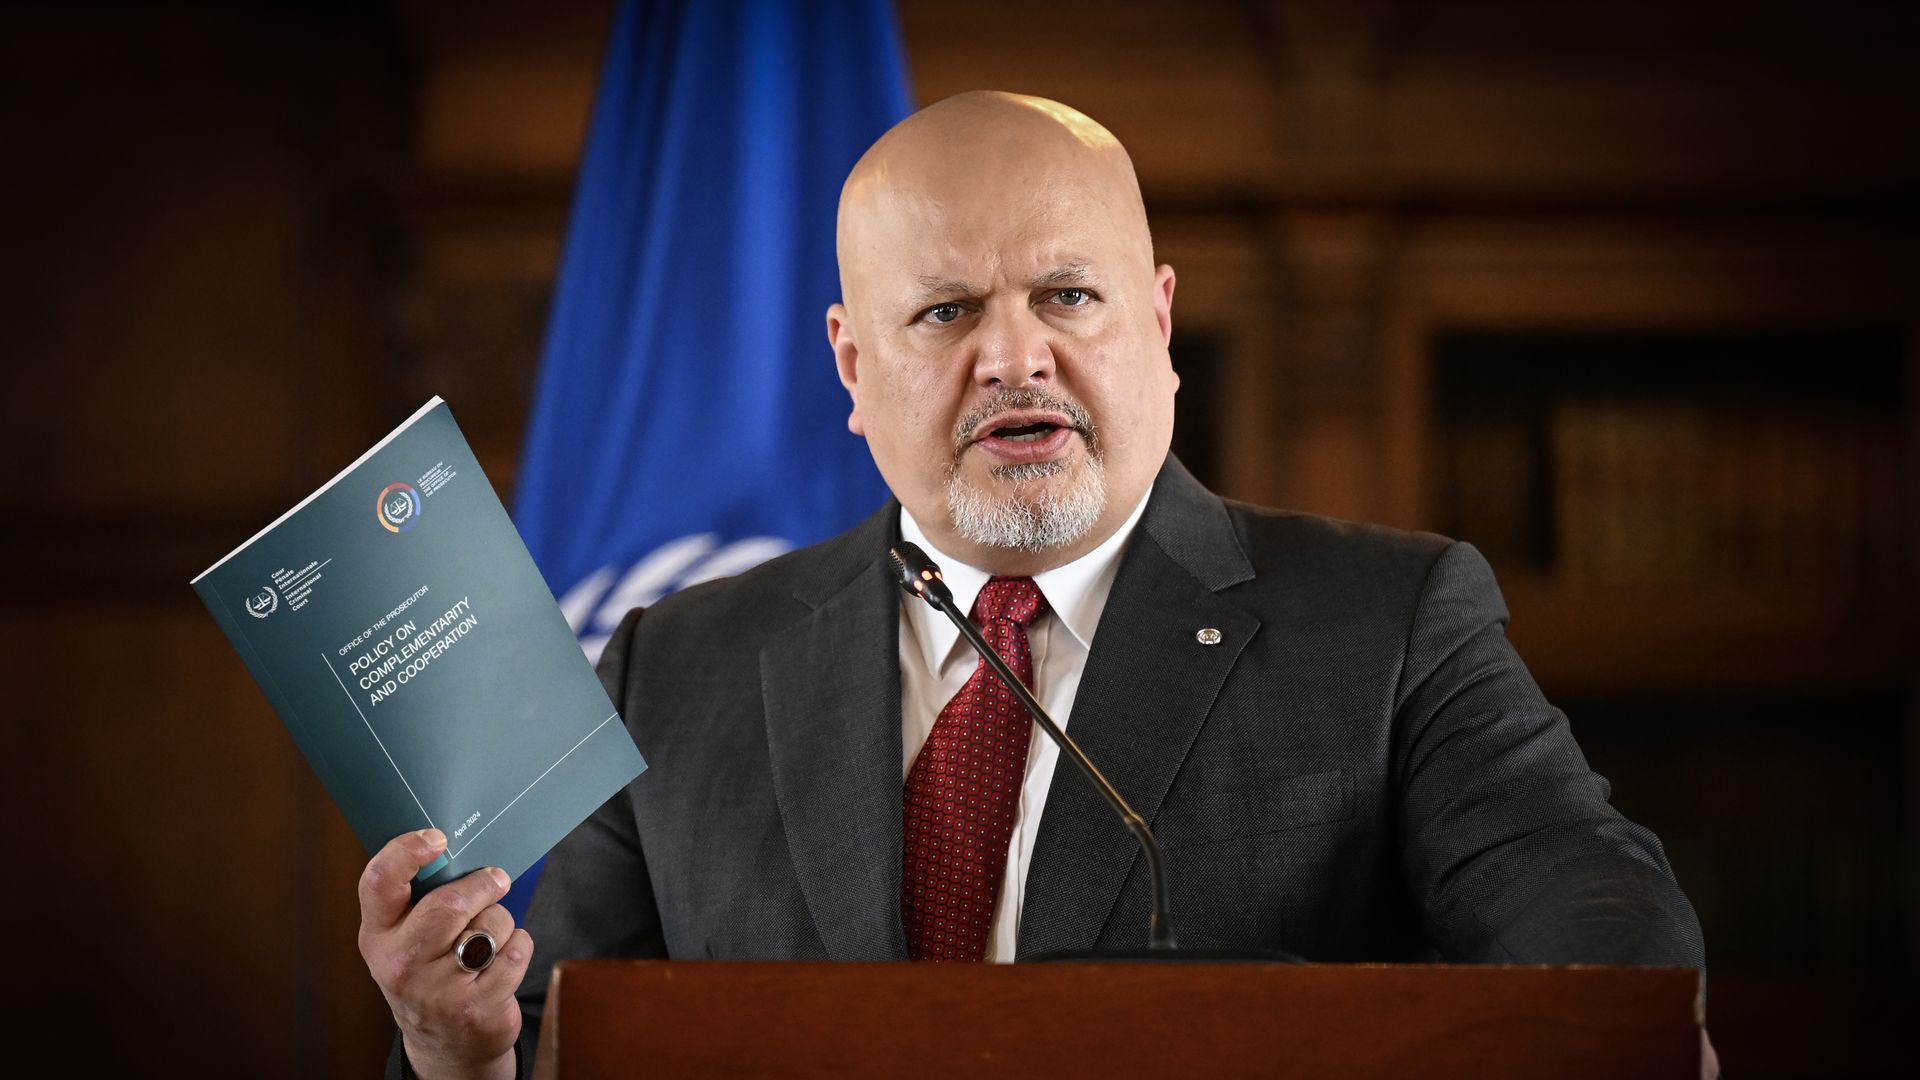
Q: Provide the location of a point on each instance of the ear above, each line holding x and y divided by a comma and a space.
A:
846, 359
1163, 302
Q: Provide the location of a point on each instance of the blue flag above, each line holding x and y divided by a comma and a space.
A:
687, 422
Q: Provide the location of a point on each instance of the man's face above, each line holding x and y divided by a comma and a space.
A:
1004, 342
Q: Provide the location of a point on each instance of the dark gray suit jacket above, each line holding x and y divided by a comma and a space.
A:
1361, 769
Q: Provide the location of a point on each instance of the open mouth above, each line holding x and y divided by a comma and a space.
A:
1017, 425
1024, 433
1025, 426
1025, 436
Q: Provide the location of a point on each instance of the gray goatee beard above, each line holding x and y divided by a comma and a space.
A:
1020, 521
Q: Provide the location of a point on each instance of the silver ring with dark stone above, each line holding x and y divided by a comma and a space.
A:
474, 951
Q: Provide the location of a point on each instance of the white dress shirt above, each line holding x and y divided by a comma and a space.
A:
935, 663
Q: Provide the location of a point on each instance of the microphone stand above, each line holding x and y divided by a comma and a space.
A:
919, 576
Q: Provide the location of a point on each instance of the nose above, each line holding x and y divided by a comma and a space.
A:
1013, 348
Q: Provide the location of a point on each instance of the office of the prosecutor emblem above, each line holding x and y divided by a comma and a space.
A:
398, 507
263, 603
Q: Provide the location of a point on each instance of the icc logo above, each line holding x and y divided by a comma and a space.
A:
398, 507
264, 604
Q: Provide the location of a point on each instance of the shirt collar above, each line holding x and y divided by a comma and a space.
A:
1076, 592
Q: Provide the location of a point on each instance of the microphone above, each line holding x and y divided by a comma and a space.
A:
920, 577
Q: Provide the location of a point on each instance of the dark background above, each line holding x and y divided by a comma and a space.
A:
1623, 292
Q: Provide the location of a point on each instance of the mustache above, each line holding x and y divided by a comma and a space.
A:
1010, 398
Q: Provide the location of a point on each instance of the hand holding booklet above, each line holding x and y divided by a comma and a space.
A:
400, 629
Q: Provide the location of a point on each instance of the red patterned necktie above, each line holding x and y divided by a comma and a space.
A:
964, 787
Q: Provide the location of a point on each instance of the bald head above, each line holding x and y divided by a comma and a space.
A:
1002, 330
987, 149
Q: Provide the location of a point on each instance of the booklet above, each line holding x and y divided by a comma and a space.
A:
398, 626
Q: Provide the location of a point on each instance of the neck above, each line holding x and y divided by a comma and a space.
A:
1005, 562
1002, 562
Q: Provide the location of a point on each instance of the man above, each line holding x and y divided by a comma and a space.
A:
1336, 746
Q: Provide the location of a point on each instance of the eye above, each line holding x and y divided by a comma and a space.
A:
940, 314
1072, 297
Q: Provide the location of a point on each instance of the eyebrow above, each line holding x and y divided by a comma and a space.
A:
933, 289
1073, 273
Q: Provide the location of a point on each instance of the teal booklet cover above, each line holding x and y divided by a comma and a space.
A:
402, 632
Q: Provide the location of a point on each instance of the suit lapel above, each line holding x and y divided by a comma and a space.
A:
832, 689
1146, 691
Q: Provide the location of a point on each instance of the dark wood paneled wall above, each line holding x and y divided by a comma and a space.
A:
243, 243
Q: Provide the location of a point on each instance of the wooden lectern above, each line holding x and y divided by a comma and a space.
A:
609, 1018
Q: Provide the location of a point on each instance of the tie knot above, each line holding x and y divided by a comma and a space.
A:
1015, 599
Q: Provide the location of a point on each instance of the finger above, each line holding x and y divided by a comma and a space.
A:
386, 885
497, 921
440, 915
502, 977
